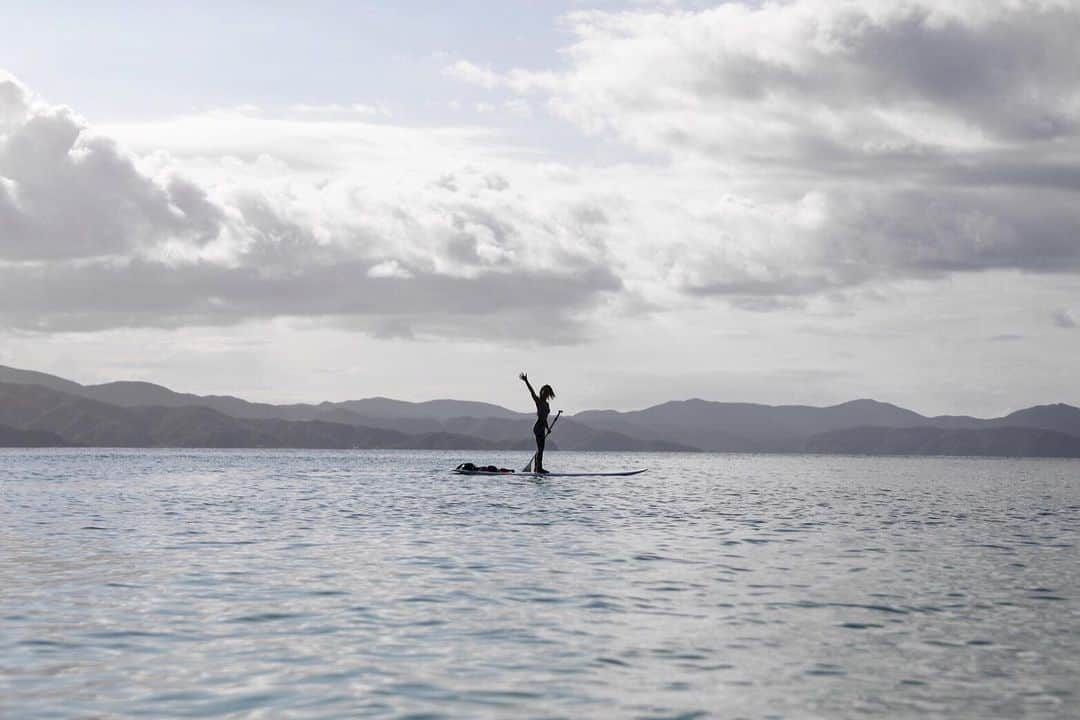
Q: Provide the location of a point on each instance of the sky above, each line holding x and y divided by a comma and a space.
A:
801, 202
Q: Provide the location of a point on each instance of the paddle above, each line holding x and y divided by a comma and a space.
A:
528, 465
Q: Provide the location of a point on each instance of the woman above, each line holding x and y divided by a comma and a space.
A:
540, 429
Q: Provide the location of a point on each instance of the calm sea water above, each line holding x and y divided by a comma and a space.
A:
376, 584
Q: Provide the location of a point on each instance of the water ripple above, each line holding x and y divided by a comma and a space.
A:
374, 584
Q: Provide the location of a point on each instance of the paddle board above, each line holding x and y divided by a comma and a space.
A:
552, 474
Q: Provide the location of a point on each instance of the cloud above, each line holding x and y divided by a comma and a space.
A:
760, 154
95, 237
148, 294
859, 79
844, 143
473, 74
69, 193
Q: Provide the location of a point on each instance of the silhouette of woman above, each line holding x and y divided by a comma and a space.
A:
540, 429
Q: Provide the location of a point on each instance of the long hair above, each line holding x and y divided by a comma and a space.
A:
546, 393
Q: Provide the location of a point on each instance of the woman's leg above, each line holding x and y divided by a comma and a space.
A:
539, 465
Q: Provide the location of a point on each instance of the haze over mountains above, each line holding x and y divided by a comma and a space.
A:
37, 409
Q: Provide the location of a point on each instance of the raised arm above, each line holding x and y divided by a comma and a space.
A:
532, 392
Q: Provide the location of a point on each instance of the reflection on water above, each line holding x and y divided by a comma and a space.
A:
376, 584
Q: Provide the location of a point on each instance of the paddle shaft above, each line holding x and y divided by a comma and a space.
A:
550, 428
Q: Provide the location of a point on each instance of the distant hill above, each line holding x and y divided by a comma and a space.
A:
10, 437
1060, 417
431, 424
144, 414
143, 394
32, 377
747, 427
859, 426
997, 442
432, 409
72, 419
83, 421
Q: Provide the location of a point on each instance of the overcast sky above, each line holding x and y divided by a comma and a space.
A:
786, 202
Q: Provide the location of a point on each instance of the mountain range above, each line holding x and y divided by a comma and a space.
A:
38, 409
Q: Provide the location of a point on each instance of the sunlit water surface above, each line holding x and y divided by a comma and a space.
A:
376, 584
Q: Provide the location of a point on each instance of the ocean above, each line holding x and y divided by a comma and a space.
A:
353, 584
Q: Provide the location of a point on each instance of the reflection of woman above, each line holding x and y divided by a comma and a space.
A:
540, 429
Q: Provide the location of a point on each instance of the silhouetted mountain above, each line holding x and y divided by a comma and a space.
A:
1060, 417
75, 419
860, 426
959, 422
90, 422
431, 409
999, 442
10, 437
144, 394
431, 424
747, 427
32, 377
83, 421
144, 414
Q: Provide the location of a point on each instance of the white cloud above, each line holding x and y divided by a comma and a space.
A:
792, 81
346, 222
388, 269
473, 74
837, 143
68, 193
795, 150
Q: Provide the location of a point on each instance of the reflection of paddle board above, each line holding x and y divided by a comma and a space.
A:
553, 474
